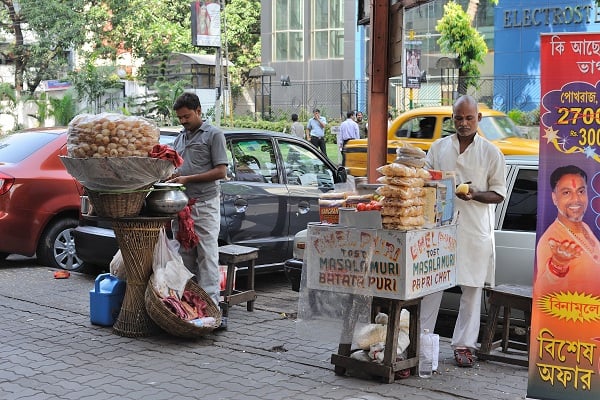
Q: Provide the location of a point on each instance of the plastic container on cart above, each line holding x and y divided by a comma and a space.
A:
106, 299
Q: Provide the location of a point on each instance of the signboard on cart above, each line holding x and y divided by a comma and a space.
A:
400, 265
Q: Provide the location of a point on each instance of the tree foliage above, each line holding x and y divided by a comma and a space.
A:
39, 35
242, 34
458, 37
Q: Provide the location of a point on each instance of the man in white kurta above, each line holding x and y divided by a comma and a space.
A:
479, 162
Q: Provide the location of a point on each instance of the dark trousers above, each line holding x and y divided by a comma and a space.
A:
319, 143
343, 151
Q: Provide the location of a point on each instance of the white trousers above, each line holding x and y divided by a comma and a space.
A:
466, 329
203, 260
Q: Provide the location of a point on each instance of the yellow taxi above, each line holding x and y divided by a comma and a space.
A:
420, 127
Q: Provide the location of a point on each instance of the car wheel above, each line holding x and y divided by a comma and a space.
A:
57, 246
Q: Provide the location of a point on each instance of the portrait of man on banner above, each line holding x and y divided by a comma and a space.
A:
206, 23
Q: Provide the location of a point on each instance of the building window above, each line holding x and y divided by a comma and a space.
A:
328, 29
288, 30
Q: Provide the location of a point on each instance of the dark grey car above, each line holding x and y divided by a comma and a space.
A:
271, 193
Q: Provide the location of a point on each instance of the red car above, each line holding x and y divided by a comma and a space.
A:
39, 200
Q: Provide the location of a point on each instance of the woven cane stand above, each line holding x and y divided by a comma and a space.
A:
137, 237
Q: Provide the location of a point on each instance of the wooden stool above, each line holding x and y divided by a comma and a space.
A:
232, 255
508, 297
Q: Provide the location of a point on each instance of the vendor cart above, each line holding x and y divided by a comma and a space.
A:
381, 270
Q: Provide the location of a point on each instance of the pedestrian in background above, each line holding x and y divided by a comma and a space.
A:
315, 129
362, 125
348, 131
297, 129
202, 147
476, 160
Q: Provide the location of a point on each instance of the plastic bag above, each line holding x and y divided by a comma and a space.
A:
170, 273
117, 266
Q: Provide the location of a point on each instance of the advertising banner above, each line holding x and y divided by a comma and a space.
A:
412, 65
565, 327
206, 23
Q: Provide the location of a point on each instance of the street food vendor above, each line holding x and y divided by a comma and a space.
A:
479, 162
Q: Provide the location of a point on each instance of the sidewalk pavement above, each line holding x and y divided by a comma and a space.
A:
50, 350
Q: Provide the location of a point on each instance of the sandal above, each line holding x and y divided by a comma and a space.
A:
463, 357
402, 374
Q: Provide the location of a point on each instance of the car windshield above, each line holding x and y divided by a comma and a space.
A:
498, 127
18, 146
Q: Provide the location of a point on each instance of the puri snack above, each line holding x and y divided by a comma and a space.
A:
111, 135
403, 192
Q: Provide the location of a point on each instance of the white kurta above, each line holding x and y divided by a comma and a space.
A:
483, 165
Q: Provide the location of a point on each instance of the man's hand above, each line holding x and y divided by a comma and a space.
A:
565, 251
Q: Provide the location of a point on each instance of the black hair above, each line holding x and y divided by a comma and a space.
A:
349, 114
294, 117
316, 110
566, 170
187, 100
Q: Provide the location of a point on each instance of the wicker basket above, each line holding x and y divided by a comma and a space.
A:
174, 325
118, 204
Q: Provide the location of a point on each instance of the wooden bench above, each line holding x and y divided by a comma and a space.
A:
232, 255
512, 352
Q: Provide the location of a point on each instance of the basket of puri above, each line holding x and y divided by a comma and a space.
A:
109, 154
172, 323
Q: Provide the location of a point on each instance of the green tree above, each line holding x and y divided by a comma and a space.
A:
56, 27
242, 33
458, 37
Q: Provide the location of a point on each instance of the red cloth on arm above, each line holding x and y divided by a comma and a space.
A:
165, 152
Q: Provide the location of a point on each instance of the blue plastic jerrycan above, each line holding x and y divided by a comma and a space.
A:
106, 299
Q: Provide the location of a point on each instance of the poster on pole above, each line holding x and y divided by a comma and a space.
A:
206, 23
412, 65
564, 358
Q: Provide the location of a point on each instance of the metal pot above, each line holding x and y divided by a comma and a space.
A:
166, 199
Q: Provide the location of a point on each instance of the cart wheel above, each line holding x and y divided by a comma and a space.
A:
339, 371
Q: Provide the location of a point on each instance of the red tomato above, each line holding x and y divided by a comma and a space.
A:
369, 207
361, 207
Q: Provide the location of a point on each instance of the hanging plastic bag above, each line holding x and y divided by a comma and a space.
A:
117, 267
169, 271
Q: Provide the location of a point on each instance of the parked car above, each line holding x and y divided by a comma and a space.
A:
420, 127
271, 192
39, 200
515, 227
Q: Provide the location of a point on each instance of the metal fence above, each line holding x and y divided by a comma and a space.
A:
335, 98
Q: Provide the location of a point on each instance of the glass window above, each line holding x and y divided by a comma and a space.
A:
448, 127
288, 30
497, 127
19, 146
418, 127
304, 167
252, 160
521, 212
328, 29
